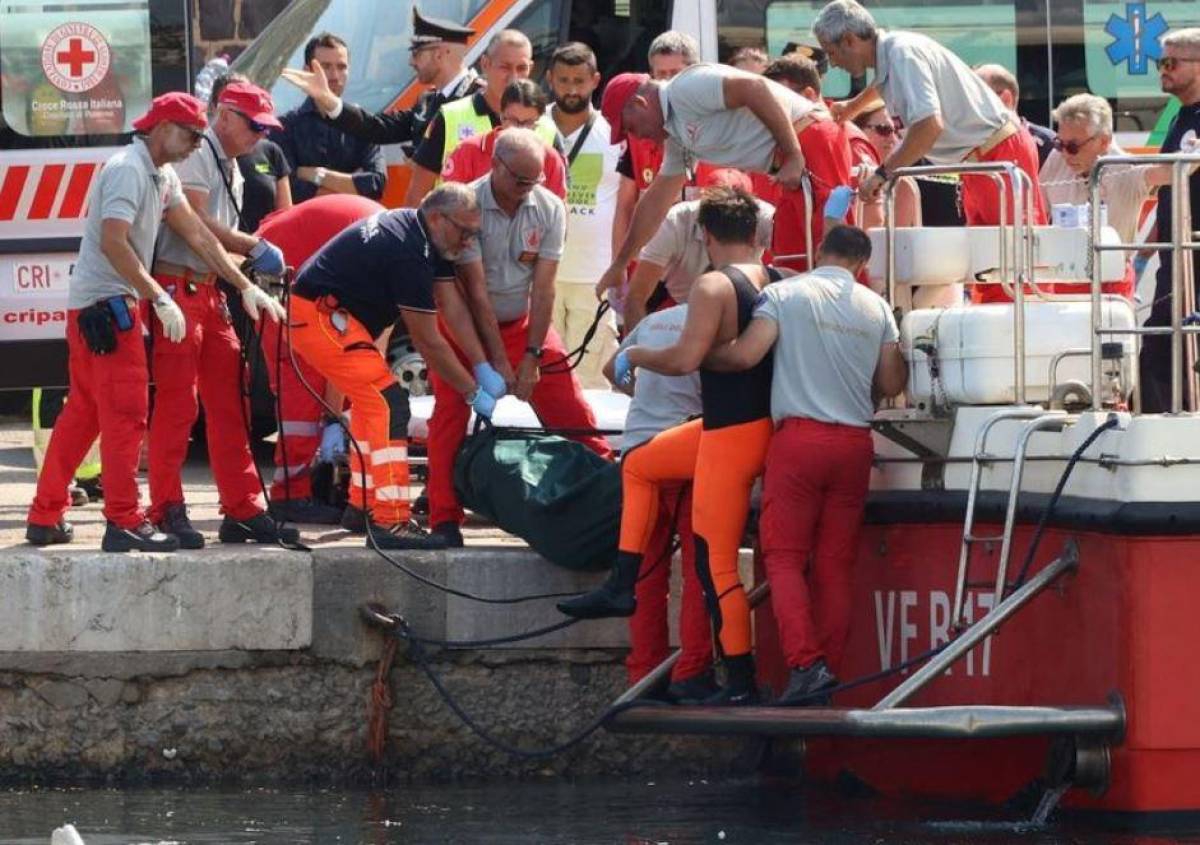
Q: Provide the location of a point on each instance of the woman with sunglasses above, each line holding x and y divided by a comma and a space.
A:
881, 131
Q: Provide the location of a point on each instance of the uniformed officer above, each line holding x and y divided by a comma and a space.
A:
438, 50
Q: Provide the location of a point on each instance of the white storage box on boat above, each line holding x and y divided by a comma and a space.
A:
925, 255
1060, 254
974, 346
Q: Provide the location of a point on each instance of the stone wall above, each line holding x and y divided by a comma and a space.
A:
228, 26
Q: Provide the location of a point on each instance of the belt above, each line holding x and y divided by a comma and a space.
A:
178, 271
994, 140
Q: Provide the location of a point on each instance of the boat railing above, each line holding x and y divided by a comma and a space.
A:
1182, 277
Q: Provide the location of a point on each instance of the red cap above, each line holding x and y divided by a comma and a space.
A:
616, 94
708, 176
250, 100
175, 107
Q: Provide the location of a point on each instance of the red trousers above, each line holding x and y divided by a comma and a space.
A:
827, 157
108, 397
649, 635
814, 493
557, 400
207, 366
299, 414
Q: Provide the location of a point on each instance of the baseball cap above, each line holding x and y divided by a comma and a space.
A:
174, 107
251, 101
708, 176
616, 94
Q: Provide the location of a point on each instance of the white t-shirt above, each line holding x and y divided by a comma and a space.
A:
918, 78
1123, 190
591, 204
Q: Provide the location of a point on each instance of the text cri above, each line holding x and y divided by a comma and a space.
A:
907, 622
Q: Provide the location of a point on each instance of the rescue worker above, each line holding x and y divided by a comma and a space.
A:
835, 346
508, 283
438, 49
727, 117
722, 452
208, 362
948, 113
392, 265
299, 232
109, 395
521, 107
1001, 80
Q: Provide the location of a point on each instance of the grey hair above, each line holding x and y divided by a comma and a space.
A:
841, 18
517, 141
450, 197
999, 78
509, 38
1089, 108
1188, 38
675, 43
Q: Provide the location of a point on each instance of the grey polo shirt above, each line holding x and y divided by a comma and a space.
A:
510, 247
131, 189
201, 171
659, 401
700, 127
831, 330
918, 78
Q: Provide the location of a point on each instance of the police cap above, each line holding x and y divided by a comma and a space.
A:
429, 31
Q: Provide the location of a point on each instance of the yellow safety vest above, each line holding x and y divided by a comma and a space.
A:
462, 122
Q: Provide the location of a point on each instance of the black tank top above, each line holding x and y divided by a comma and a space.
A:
735, 398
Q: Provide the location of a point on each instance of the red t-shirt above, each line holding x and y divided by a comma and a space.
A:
303, 229
473, 158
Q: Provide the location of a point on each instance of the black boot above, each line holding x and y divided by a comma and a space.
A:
259, 528
612, 598
175, 521
806, 686
49, 535
740, 689
144, 538
693, 690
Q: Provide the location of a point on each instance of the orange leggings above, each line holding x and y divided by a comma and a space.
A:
723, 464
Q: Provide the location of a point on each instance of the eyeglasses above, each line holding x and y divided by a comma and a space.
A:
1071, 147
464, 232
255, 126
523, 181
196, 135
1169, 63
885, 130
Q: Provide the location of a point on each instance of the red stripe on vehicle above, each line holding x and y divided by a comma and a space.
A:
10, 191
77, 191
47, 190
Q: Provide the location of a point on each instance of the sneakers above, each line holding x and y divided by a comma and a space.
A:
693, 690
450, 532
79, 496
49, 535
175, 521
354, 520
404, 535
806, 684
306, 511
259, 528
144, 538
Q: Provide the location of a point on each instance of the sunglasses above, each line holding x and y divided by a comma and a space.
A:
884, 129
197, 135
255, 126
1071, 147
1170, 63
523, 181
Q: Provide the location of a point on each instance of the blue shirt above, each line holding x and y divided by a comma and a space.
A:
375, 269
310, 140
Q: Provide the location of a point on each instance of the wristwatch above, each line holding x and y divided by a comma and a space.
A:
535, 351
881, 172
319, 176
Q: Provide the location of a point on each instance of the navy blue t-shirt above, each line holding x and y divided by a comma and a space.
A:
1186, 123
376, 268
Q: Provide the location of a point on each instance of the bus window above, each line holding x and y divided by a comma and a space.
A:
542, 23
978, 32
619, 31
378, 33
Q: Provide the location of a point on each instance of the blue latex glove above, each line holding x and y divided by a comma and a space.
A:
838, 204
267, 258
482, 402
622, 371
1139, 266
333, 443
489, 379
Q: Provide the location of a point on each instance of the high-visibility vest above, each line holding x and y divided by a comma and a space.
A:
462, 122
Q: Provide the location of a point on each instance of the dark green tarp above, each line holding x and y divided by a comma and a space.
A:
557, 495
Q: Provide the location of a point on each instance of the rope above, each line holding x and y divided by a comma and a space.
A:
572, 359
380, 703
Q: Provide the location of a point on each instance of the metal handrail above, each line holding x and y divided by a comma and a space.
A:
806, 189
1181, 270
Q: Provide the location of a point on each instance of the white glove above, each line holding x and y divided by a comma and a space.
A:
256, 302
173, 325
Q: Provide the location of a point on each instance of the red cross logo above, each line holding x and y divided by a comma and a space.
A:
75, 57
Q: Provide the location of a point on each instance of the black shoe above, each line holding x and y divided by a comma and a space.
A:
175, 521
259, 528
450, 532
49, 535
420, 505
615, 597
305, 511
79, 496
805, 686
144, 538
733, 696
404, 535
354, 520
92, 487
693, 690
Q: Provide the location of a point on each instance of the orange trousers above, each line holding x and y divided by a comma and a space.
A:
343, 351
722, 464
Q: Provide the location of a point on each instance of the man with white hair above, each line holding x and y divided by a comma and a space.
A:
1179, 74
1001, 80
949, 114
508, 282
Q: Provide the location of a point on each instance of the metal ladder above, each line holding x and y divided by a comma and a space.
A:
1037, 420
